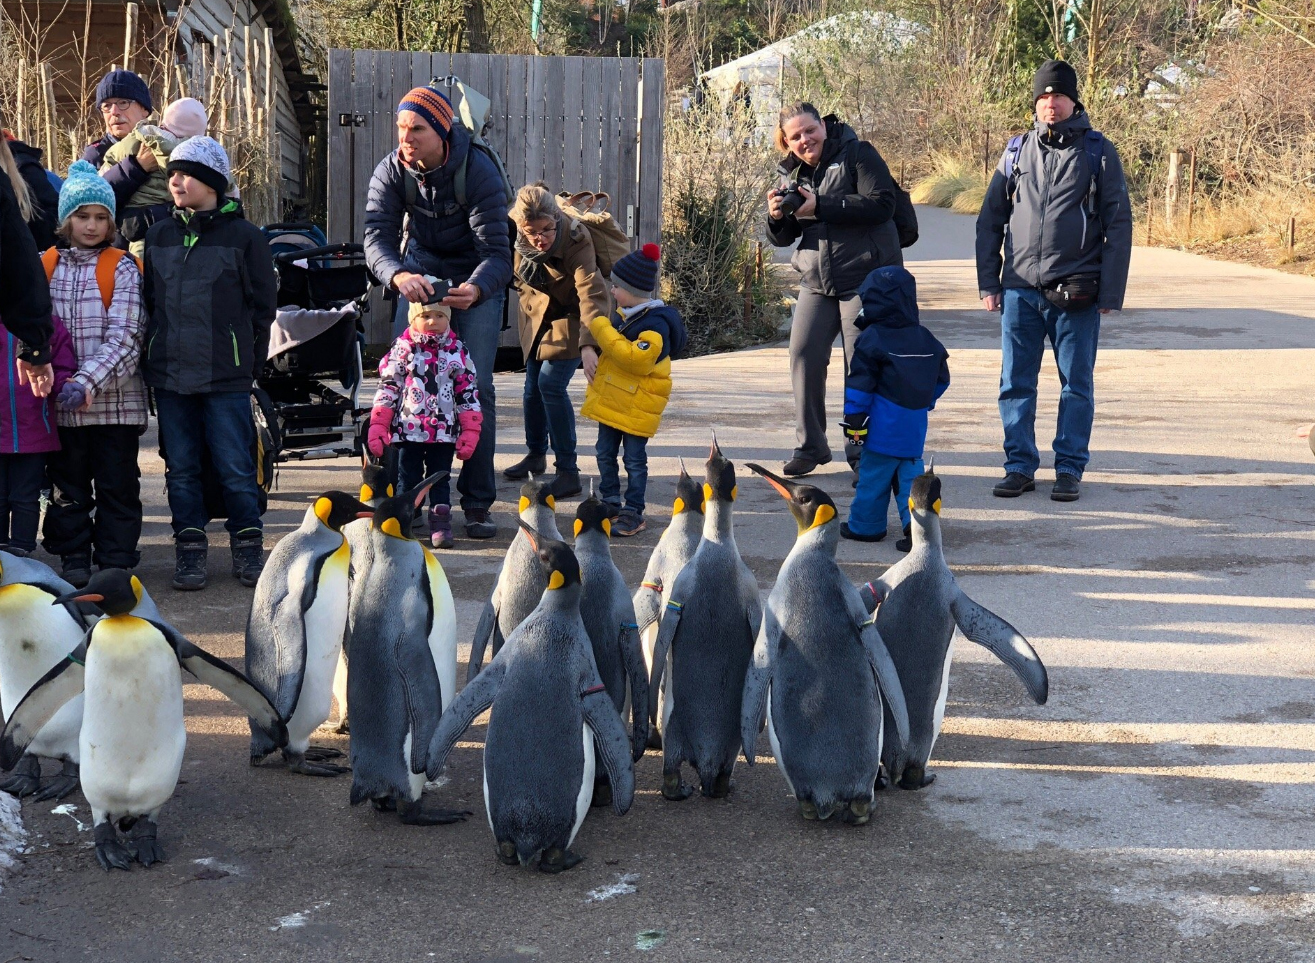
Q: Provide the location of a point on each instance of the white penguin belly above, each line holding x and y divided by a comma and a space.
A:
939, 716
340, 684
324, 622
34, 637
443, 634
586, 795
776, 743
133, 734
415, 780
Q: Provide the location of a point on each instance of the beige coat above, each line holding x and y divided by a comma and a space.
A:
551, 327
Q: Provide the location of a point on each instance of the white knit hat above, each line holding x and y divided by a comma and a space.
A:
205, 159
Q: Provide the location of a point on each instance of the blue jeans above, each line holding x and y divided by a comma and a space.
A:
877, 475
479, 329
218, 422
610, 441
549, 414
1027, 321
417, 460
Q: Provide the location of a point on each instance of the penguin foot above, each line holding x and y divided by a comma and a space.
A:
320, 753
807, 810
883, 778
303, 766
110, 853
344, 726
507, 853
602, 795
25, 779
386, 805
412, 815
61, 785
143, 845
674, 789
655, 738
721, 786
556, 860
916, 777
857, 813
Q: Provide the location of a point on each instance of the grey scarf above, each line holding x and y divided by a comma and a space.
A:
533, 267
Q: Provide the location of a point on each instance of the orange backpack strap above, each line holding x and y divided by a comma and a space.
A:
106, 265
49, 261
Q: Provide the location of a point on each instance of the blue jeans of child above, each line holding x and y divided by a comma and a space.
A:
417, 460
1027, 321
549, 414
877, 474
610, 441
218, 421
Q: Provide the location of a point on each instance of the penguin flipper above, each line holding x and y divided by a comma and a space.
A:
218, 674
648, 604
477, 696
667, 631
484, 629
873, 594
424, 698
64, 681
601, 716
757, 684
1004, 641
891, 688
632, 655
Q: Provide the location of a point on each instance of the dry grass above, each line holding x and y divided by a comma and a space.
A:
952, 183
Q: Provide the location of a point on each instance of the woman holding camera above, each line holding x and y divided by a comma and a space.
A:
837, 198
561, 290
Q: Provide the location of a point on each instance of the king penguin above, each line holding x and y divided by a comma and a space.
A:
704, 646
295, 630
34, 637
674, 549
609, 618
402, 632
920, 603
550, 708
521, 581
821, 671
133, 733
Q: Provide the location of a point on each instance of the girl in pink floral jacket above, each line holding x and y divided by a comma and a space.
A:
427, 404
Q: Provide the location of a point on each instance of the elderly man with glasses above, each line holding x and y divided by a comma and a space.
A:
125, 101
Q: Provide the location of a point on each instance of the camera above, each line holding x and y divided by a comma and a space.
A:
791, 199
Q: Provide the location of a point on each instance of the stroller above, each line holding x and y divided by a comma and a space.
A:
317, 336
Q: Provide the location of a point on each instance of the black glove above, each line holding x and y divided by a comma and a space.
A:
855, 428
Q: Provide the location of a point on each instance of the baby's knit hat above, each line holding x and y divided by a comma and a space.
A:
83, 187
185, 117
203, 158
637, 272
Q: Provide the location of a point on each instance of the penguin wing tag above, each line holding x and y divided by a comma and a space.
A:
42, 701
757, 685
488, 621
1004, 641
474, 699
601, 716
883, 666
218, 674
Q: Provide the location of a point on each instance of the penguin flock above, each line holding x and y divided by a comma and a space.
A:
850, 682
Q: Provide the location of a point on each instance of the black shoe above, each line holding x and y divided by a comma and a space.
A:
527, 466
248, 547
76, 569
566, 484
803, 464
1066, 488
845, 532
905, 544
479, 524
1012, 485
189, 560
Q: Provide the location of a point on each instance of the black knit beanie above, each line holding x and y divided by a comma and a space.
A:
1056, 77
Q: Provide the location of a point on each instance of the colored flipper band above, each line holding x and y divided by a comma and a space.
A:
655, 586
675, 606
598, 688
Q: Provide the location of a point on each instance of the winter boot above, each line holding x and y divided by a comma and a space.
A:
189, 560
440, 526
248, 548
566, 484
76, 569
527, 466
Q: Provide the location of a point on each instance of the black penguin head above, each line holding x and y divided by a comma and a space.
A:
394, 515
336, 509
925, 493
594, 515
558, 561
810, 506
112, 590
719, 479
689, 493
537, 493
375, 483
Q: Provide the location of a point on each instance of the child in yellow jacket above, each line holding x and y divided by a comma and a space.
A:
631, 386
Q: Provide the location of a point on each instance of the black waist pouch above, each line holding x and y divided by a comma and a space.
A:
1077, 292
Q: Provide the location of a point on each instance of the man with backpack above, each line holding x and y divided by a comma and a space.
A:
438, 206
1059, 206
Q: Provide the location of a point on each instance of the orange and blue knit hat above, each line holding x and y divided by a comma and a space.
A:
430, 104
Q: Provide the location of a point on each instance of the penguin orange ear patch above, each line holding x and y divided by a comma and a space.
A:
551, 502
367, 493
911, 505
824, 514
707, 491
523, 504
391, 526
936, 506
137, 587
556, 580
579, 527
607, 527
322, 509
678, 506
735, 492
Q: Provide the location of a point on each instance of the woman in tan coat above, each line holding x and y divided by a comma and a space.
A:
561, 290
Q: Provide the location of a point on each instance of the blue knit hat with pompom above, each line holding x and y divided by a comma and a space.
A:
84, 186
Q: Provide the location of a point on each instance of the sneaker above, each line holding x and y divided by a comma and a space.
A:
1066, 488
803, 464
76, 569
440, 526
627, 524
479, 524
566, 484
248, 547
853, 536
905, 544
527, 466
1012, 485
21, 552
189, 560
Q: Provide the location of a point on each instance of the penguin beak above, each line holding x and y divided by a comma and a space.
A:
785, 488
365, 514
715, 449
78, 596
530, 534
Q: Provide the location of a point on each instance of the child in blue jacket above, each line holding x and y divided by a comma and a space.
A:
897, 372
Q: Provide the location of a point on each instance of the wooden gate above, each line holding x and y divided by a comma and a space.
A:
575, 123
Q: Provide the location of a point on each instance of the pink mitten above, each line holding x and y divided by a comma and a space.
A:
380, 431
468, 440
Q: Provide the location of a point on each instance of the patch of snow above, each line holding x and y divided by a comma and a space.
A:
211, 863
12, 834
68, 809
295, 921
624, 885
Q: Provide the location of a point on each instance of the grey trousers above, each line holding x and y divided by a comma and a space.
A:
817, 320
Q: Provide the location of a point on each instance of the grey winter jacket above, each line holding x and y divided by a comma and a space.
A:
853, 233
1046, 229
445, 239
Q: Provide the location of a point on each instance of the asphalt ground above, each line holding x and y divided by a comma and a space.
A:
1157, 808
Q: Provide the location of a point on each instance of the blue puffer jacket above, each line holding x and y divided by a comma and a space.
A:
899, 369
446, 240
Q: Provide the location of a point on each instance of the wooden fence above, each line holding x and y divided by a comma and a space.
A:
575, 123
